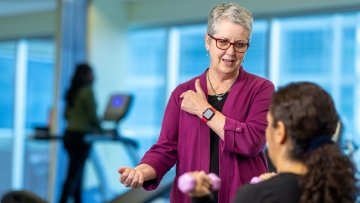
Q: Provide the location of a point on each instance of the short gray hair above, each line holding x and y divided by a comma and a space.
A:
232, 12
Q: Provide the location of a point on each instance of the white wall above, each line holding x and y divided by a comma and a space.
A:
106, 47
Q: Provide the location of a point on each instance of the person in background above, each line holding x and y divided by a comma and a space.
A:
216, 121
311, 168
82, 119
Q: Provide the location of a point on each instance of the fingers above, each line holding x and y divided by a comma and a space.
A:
130, 177
203, 183
121, 170
266, 176
137, 181
198, 88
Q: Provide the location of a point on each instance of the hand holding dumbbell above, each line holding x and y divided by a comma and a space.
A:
187, 182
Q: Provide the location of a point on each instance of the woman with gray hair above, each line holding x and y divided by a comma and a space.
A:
216, 121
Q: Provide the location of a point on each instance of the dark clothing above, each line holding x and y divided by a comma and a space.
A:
214, 139
82, 116
204, 199
82, 119
78, 151
283, 188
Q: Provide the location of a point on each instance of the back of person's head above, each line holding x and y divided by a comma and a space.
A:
82, 76
310, 120
231, 12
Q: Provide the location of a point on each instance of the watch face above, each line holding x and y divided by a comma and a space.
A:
208, 114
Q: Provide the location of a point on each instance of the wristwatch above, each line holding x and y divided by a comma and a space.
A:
208, 114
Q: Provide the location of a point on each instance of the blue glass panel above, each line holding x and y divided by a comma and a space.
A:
348, 51
146, 81
39, 94
256, 56
193, 56
310, 49
7, 85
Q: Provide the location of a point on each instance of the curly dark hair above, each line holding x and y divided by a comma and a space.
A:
307, 112
83, 76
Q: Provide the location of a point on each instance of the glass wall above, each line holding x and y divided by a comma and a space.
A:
39, 92
321, 49
192, 53
146, 80
7, 88
38, 68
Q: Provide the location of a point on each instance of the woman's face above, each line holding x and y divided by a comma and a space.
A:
226, 61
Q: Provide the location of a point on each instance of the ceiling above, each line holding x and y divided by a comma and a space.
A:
13, 7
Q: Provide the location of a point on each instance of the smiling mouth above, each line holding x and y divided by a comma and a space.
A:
228, 60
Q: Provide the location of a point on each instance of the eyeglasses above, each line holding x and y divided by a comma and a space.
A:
224, 44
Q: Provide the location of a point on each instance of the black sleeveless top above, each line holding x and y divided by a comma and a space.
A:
214, 138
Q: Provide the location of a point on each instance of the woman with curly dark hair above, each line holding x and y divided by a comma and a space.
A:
310, 166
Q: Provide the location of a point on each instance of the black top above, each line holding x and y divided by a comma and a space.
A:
283, 188
214, 138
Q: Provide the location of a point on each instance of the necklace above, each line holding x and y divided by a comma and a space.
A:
218, 96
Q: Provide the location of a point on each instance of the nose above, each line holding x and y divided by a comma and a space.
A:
230, 50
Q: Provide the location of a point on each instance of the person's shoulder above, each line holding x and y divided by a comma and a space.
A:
282, 180
256, 78
280, 188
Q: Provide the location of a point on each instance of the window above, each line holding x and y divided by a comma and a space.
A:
321, 49
7, 86
193, 57
38, 91
255, 60
146, 81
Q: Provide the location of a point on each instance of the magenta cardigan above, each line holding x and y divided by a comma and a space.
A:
185, 140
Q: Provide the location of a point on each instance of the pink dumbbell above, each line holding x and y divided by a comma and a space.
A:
187, 183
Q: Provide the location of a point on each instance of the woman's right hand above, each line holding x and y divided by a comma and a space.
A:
131, 177
135, 177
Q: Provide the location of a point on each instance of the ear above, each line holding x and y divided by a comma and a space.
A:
207, 41
280, 135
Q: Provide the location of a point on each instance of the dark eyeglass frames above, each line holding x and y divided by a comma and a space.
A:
224, 44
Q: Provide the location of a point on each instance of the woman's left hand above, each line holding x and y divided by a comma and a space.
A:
194, 102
